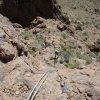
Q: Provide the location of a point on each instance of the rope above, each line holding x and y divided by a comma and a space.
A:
38, 85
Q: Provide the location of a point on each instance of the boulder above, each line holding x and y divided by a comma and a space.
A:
7, 52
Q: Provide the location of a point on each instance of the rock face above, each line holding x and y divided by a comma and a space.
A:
20, 70
13, 52
10, 45
24, 11
6, 52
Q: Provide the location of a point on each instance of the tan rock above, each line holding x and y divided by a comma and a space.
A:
7, 52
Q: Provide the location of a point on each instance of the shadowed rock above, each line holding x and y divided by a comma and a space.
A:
24, 11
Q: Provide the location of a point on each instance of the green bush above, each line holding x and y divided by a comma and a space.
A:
87, 58
98, 42
72, 64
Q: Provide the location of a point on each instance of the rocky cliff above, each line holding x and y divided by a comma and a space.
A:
72, 51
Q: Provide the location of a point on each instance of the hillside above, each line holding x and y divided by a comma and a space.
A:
60, 36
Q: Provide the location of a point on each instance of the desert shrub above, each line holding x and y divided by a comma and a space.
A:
87, 58
78, 54
72, 64
25, 33
32, 50
64, 35
97, 24
79, 27
67, 53
85, 36
73, 45
85, 33
98, 57
98, 42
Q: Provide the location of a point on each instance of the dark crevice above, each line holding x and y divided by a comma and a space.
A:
20, 51
6, 59
25, 11
96, 50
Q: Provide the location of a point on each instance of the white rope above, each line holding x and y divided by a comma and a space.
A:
38, 85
